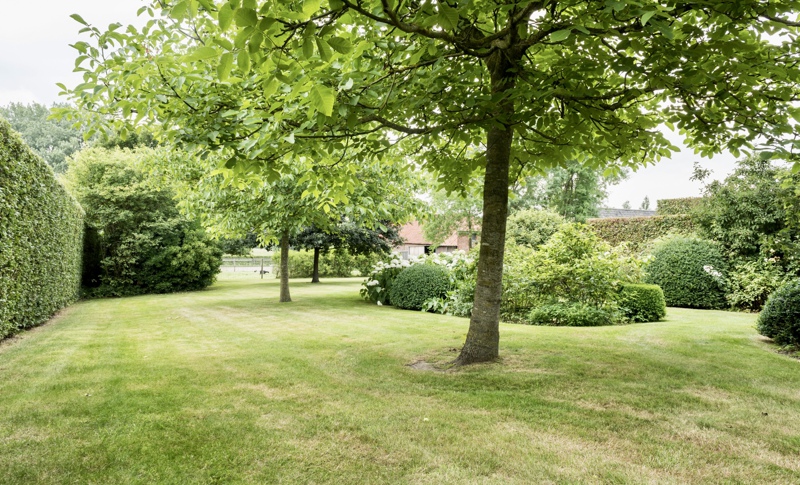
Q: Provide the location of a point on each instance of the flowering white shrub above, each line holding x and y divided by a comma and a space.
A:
378, 283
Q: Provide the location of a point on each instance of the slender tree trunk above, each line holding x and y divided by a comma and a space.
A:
285, 297
315, 275
483, 338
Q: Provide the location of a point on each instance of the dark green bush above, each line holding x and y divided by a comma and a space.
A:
691, 272
571, 315
140, 243
417, 284
780, 318
641, 303
41, 234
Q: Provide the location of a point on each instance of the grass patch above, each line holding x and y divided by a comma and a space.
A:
226, 385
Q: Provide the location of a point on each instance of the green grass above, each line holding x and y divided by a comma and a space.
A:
228, 386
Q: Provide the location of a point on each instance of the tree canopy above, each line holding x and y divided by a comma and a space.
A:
472, 89
53, 140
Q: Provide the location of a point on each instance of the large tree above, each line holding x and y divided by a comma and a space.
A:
478, 88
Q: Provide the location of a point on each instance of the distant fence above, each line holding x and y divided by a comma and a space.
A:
249, 265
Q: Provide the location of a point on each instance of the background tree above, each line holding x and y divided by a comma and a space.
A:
645, 204
53, 140
280, 206
535, 83
137, 240
452, 212
349, 236
746, 211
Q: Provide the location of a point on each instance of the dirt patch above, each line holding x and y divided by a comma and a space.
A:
421, 365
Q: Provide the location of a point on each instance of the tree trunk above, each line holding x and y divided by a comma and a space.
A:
315, 275
285, 298
483, 338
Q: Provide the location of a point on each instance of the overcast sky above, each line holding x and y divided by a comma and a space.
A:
35, 55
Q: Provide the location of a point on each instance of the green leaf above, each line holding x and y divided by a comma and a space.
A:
308, 47
324, 49
322, 99
201, 53
340, 45
224, 43
243, 61
647, 16
310, 7
78, 19
225, 17
225, 65
270, 86
560, 35
246, 17
179, 10
448, 17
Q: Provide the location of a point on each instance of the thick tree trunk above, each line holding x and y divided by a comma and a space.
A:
315, 275
285, 298
483, 338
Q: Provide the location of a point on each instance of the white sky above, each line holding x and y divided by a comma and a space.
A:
35, 55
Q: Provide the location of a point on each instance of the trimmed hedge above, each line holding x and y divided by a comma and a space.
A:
41, 238
638, 231
642, 303
673, 207
690, 271
417, 284
780, 319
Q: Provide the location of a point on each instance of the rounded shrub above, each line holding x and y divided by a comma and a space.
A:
690, 271
641, 303
417, 284
532, 227
780, 318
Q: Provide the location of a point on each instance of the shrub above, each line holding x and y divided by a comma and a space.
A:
140, 242
751, 282
641, 303
532, 227
780, 319
638, 231
41, 234
690, 271
463, 271
417, 284
571, 314
377, 287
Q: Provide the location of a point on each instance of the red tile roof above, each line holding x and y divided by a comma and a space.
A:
412, 234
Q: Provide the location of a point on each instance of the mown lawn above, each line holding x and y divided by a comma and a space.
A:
228, 386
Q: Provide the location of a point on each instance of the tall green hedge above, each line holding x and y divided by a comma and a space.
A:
673, 207
640, 230
41, 238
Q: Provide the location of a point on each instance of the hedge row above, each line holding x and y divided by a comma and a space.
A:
673, 207
640, 230
337, 263
41, 238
